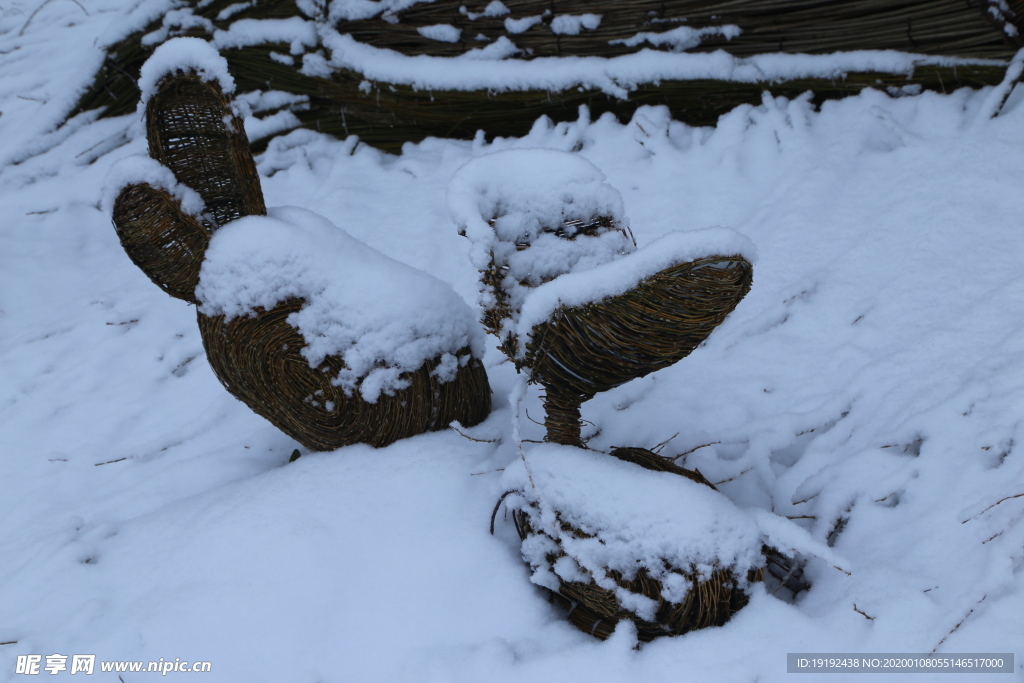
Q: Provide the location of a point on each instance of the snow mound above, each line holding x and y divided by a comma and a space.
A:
183, 54
533, 215
507, 198
382, 317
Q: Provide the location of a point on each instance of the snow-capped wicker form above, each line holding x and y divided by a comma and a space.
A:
158, 222
531, 216
563, 290
182, 55
296, 316
382, 318
632, 537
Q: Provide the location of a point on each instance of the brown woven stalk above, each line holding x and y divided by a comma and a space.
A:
260, 362
583, 350
595, 610
192, 131
166, 243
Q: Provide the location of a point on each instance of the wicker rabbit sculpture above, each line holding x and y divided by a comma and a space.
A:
286, 302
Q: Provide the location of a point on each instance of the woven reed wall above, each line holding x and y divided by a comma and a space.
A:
388, 116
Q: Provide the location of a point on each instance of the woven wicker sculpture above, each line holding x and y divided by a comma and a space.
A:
193, 132
578, 310
684, 598
578, 345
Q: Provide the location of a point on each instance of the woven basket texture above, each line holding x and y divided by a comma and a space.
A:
192, 130
583, 350
260, 362
388, 114
595, 610
166, 243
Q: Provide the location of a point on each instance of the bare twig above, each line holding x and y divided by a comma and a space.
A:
1001, 500
959, 623
657, 449
97, 464
477, 474
531, 419
497, 506
467, 436
863, 614
726, 481
44, 4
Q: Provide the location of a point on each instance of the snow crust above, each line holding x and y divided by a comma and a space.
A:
573, 24
182, 54
140, 169
615, 76
585, 286
680, 38
295, 31
445, 33
380, 316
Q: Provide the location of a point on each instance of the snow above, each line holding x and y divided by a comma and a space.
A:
525, 191
680, 38
615, 76
495, 8
445, 33
295, 31
509, 204
183, 54
873, 374
583, 286
178, 19
142, 170
572, 24
523, 24
380, 316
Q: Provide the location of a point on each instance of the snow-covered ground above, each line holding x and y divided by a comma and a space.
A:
874, 374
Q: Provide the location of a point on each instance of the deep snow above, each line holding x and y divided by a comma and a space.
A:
874, 374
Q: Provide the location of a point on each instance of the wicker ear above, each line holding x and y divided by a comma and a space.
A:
192, 130
583, 350
162, 240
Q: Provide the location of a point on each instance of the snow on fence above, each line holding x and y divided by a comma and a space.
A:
393, 72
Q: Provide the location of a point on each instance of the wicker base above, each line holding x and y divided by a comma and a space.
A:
596, 610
